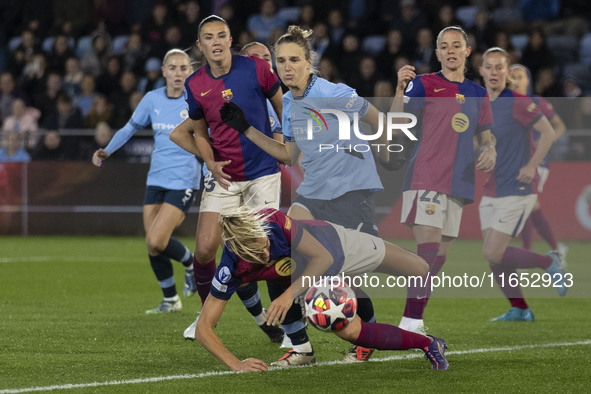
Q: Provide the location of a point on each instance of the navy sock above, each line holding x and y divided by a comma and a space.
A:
162, 268
364, 306
177, 251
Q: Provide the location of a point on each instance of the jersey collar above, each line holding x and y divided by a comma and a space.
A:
312, 82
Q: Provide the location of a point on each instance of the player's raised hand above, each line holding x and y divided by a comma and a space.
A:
99, 156
527, 174
405, 74
233, 116
279, 307
217, 170
251, 365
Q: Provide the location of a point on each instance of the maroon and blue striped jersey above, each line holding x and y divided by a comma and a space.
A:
514, 116
249, 83
285, 262
449, 115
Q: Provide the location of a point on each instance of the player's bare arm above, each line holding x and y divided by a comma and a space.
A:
201, 140
204, 333
487, 157
277, 103
547, 136
182, 135
233, 116
320, 261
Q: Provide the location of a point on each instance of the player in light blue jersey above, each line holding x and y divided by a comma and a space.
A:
173, 179
338, 183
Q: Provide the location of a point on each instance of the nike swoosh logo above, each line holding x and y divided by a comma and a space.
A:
204, 93
268, 202
374, 245
438, 90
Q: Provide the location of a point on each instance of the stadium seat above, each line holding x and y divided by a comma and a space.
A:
289, 14
47, 44
466, 15
373, 44
84, 44
14, 42
519, 41
118, 45
580, 72
504, 15
564, 49
585, 49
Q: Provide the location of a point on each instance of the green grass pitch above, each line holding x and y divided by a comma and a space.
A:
72, 320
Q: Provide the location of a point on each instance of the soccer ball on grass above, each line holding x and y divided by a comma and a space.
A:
330, 305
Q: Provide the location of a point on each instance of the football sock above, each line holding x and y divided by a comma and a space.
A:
203, 275
388, 337
415, 305
364, 306
527, 233
299, 340
172, 299
541, 224
179, 252
162, 268
513, 294
433, 270
522, 258
251, 298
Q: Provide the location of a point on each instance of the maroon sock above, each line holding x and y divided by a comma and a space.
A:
388, 337
513, 294
543, 227
522, 258
203, 275
526, 233
415, 294
434, 270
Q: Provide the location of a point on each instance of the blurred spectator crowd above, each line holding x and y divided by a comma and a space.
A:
70, 66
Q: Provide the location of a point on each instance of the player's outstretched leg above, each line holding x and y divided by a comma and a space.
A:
388, 337
251, 298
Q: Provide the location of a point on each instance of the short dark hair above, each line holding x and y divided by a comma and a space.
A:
210, 19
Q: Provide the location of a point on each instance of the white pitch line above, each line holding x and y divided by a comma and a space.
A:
323, 363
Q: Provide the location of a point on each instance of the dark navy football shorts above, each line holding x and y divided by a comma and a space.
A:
182, 199
354, 210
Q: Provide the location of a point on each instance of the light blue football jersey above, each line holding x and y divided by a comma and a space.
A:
329, 172
171, 166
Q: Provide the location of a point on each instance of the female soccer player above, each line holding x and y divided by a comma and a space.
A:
267, 245
519, 82
337, 185
239, 171
440, 175
173, 179
510, 190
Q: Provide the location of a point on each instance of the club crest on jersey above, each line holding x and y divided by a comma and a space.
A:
227, 94
460, 98
283, 266
184, 114
430, 209
460, 122
272, 121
